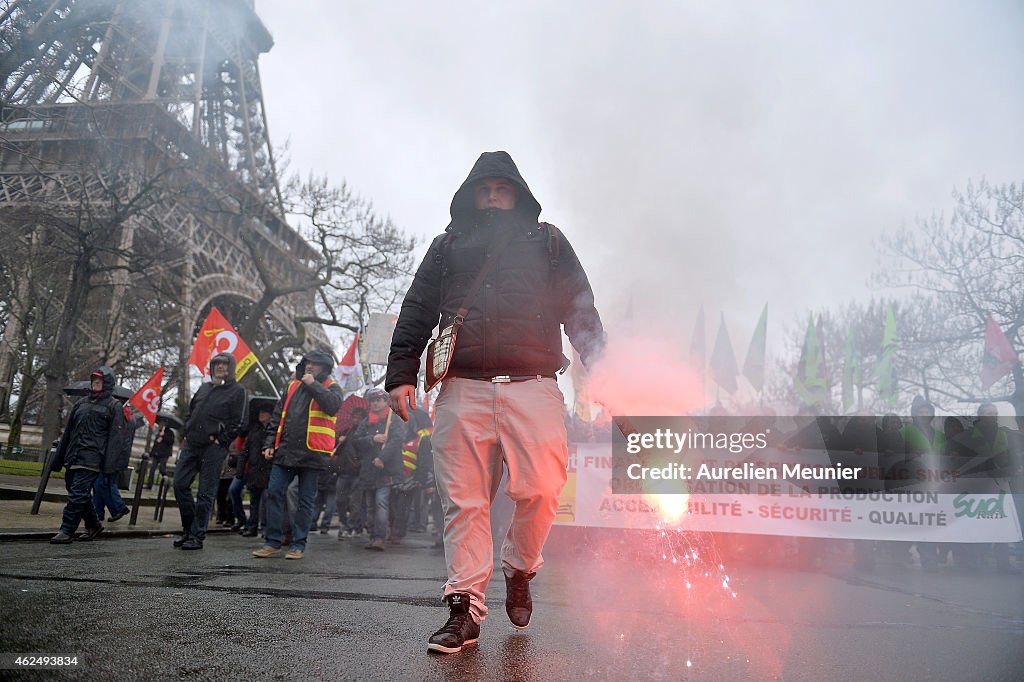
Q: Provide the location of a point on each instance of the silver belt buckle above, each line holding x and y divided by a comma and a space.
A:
504, 379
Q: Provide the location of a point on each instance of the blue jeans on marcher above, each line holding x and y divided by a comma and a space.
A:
79, 484
206, 462
106, 496
280, 478
325, 502
376, 508
235, 493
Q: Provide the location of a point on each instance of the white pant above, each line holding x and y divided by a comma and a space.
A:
478, 426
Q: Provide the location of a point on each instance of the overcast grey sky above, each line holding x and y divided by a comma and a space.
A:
726, 153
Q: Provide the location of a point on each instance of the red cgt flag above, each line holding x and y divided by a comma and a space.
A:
999, 358
147, 399
218, 336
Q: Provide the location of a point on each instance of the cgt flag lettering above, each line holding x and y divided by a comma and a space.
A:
147, 399
218, 336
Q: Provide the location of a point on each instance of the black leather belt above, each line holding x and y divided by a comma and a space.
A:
509, 378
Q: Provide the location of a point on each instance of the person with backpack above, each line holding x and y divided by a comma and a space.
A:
218, 413
92, 444
501, 284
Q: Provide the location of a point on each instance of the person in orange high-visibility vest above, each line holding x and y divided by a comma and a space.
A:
300, 441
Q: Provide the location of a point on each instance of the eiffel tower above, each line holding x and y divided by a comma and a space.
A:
150, 86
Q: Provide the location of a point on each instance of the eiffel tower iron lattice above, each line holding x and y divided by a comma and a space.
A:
106, 101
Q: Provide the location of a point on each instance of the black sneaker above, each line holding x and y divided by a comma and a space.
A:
518, 603
460, 629
118, 516
192, 543
181, 540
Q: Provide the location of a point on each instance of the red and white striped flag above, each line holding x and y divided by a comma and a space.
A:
349, 372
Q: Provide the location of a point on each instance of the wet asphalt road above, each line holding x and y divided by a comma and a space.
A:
139, 609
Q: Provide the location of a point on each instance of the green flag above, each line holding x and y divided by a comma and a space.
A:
810, 382
723, 361
887, 360
851, 371
753, 365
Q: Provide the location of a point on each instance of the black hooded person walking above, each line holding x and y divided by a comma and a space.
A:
499, 404
218, 413
92, 443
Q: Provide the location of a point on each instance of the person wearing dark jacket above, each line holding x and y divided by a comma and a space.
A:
378, 442
163, 448
300, 441
217, 414
405, 490
257, 471
499, 403
105, 493
349, 497
92, 444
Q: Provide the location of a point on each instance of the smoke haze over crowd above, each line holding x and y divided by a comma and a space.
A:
724, 154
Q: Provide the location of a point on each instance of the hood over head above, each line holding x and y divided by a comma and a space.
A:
493, 165
108, 381
232, 364
319, 357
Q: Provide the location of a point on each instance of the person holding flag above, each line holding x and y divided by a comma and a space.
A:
300, 441
218, 413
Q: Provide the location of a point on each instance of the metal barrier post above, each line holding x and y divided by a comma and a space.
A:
143, 465
44, 479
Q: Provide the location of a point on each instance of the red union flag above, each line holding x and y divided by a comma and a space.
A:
999, 357
349, 372
147, 399
218, 336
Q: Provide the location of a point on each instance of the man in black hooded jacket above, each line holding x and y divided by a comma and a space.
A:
499, 404
217, 415
92, 444
300, 440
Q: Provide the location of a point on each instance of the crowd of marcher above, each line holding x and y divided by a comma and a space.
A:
356, 497
375, 480
506, 285
898, 448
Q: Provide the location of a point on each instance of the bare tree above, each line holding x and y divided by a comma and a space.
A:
364, 262
959, 270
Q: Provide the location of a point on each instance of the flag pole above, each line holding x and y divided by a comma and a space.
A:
266, 374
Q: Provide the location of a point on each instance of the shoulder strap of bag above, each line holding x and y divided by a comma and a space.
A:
492, 256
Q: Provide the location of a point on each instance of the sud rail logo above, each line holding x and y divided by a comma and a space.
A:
979, 507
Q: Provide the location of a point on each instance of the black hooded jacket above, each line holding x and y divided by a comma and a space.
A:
514, 322
93, 437
218, 413
292, 450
